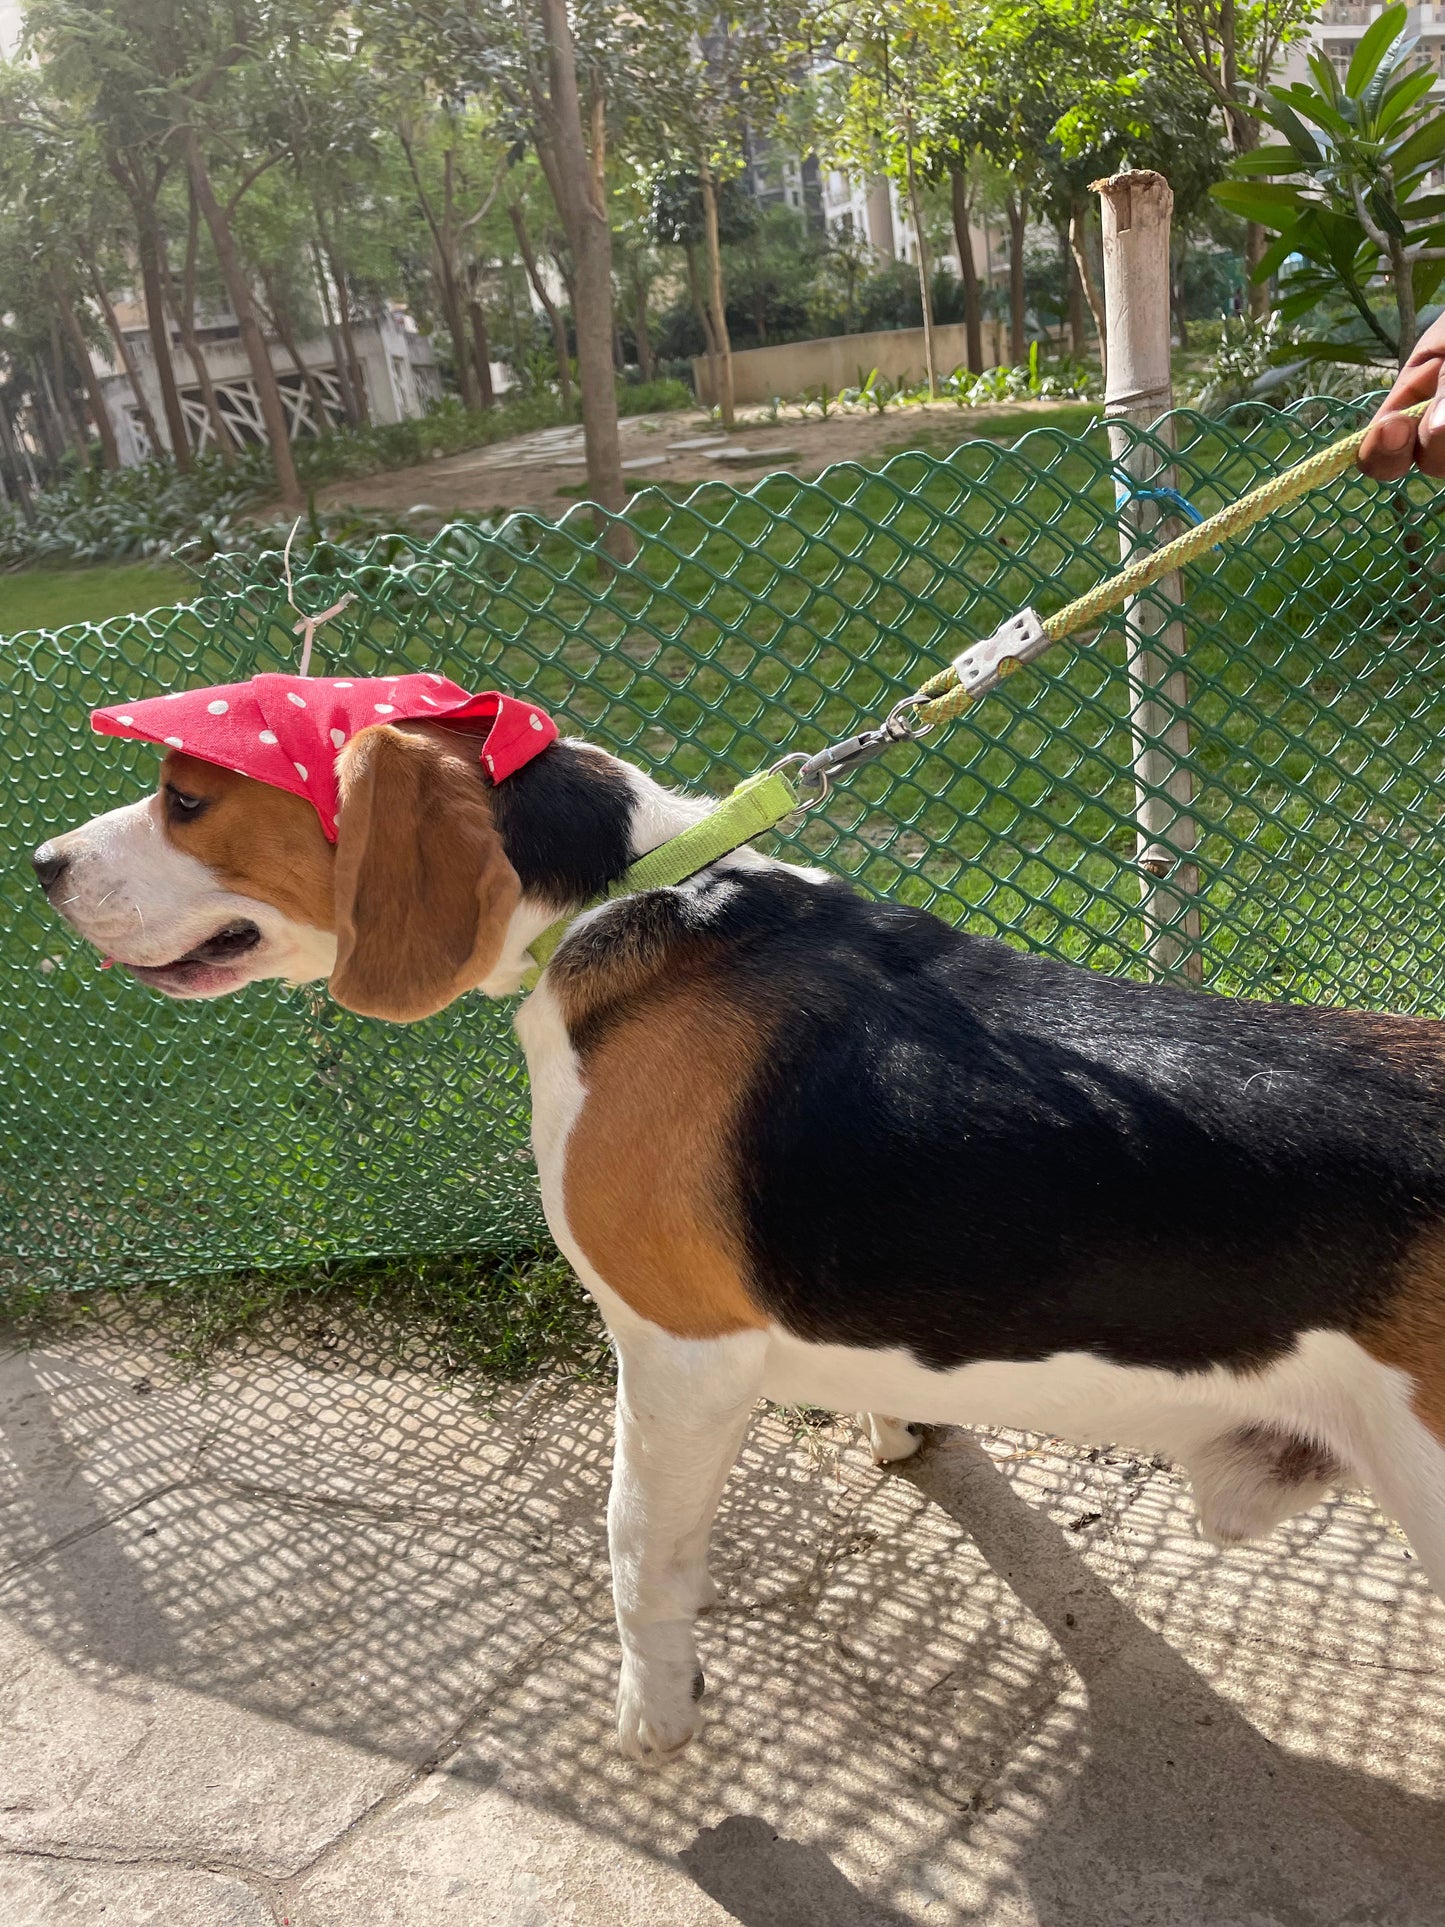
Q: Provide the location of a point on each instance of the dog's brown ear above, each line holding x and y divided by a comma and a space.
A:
423, 886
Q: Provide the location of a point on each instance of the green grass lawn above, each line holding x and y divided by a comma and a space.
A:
54, 598
1001, 424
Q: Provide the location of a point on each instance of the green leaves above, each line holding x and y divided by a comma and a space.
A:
1352, 216
1275, 159
1374, 43
1270, 203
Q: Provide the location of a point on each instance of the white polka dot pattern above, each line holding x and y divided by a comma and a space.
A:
287, 730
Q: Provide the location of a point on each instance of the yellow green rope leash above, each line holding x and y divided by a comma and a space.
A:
766, 799
1024, 638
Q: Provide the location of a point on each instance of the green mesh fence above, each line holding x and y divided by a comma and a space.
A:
145, 1139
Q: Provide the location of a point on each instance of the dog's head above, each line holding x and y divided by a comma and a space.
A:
218, 880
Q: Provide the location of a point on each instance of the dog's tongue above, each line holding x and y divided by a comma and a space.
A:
107, 963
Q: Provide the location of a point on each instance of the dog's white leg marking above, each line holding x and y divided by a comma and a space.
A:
1403, 1464
892, 1439
682, 1408
1417, 1502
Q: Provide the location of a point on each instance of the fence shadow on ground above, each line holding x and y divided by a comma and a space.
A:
1007, 1684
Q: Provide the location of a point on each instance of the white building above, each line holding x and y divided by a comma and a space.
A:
1341, 24
395, 368
878, 214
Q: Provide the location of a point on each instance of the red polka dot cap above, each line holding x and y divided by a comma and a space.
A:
287, 730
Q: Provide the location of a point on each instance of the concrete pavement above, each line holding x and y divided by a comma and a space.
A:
318, 1640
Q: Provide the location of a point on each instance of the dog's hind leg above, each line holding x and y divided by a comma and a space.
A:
1249, 1480
683, 1405
890, 1438
1404, 1468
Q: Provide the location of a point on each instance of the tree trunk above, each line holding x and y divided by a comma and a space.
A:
1078, 327
333, 335
482, 350
47, 421
127, 360
456, 320
1079, 249
584, 214
1018, 220
339, 282
723, 376
1256, 240
184, 310
286, 335
151, 250
1401, 275
1176, 298
220, 428
641, 327
446, 276
80, 349
10, 451
968, 270
268, 393
700, 309
925, 277
549, 306
1243, 133
60, 396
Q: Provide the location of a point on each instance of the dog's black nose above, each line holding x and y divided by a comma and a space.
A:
50, 866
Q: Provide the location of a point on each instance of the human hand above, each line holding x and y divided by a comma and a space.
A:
1394, 441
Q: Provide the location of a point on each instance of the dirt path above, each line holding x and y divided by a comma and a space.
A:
546, 469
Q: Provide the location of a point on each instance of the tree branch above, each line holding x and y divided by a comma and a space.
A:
250, 181
492, 192
1376, 234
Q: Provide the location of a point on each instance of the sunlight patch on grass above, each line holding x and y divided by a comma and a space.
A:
53, 598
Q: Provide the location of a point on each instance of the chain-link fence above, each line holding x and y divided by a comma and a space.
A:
143, 1138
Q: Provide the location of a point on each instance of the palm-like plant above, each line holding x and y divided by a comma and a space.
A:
1355, 210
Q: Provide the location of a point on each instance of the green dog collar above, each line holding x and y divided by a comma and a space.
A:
756, 805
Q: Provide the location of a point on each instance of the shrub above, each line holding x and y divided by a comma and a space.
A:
653, 397
1253, 361
116, 515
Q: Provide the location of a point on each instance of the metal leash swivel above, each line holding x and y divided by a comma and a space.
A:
815, 773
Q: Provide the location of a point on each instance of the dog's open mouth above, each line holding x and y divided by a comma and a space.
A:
207, 969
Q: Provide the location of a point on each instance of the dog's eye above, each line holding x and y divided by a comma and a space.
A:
182, 806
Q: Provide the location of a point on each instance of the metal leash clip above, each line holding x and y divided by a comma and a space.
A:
820, 769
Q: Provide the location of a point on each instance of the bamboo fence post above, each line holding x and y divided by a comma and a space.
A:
1136, 208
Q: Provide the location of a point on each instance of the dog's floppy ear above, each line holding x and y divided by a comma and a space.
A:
423, 886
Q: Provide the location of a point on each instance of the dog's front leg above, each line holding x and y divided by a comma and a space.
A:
682, 1408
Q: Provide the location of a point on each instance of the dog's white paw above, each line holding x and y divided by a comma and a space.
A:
891, 1439
658, 1695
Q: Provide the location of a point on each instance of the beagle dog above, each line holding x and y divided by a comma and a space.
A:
803, 1145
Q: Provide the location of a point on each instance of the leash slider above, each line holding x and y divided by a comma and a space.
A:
1012, 644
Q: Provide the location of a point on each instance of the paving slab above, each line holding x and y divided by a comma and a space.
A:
36, 1893
319, 1635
